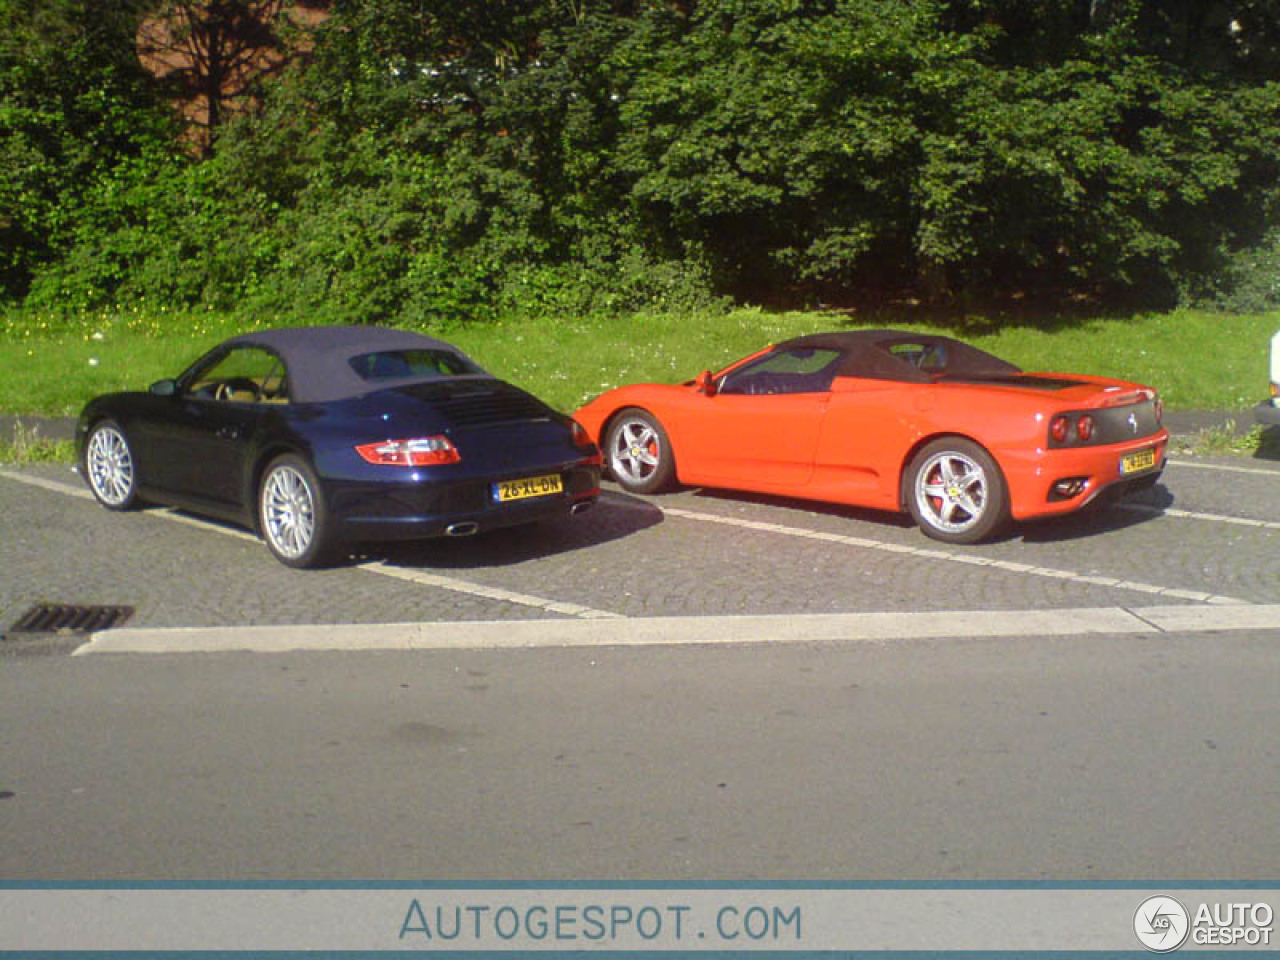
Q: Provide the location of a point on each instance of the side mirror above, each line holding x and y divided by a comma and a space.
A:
706, 383
164, 388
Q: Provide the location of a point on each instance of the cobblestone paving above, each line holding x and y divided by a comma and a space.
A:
55, 548
685, 553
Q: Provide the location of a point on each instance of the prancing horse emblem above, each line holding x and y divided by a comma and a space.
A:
1133, 424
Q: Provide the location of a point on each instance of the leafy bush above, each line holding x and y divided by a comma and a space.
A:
74, 103
472, 161
1250, 281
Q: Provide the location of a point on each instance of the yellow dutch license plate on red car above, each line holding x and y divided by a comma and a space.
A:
528, 487
1137, 462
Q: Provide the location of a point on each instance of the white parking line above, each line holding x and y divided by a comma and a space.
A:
1193, 515
190, 521
973, 559
46, 484
400, 573
1259, 471
489, 593
675, 631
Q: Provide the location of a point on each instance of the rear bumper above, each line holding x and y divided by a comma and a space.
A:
419, 510
1096, 471
1267, 413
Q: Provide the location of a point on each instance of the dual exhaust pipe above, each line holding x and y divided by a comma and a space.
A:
468, 528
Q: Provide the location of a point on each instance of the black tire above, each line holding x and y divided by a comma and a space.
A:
638, 452
292, 515
110, 467
956, 492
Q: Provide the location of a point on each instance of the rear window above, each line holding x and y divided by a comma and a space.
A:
929, 357
397, 364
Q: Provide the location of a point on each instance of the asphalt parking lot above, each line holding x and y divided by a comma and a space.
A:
1207, 535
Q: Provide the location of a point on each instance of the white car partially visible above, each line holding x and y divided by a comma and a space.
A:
1268, 411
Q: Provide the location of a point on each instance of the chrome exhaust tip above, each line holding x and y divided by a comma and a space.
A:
465, 529
581, 507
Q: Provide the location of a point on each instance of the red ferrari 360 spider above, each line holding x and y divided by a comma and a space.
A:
891, 420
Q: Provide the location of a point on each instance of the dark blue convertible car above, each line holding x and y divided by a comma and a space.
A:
316, 437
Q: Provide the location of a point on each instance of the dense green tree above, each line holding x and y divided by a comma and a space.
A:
73, 102
468, 158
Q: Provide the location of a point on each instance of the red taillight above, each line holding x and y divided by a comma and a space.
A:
583, 440
1058, 429
1084, 427
579, 433
417, 452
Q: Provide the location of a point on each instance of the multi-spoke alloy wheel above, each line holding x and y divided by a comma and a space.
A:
292, 514
108, 466
956, 492
639, 452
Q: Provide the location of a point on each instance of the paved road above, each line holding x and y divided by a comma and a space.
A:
1115, 756
1073, 758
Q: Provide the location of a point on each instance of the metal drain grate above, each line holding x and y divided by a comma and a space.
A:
65, 618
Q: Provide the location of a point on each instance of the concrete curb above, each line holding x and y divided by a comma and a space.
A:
45, 428
680, 631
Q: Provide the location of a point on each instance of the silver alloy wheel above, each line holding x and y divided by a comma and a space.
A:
637, 451
288, 511
109, 463
951, 492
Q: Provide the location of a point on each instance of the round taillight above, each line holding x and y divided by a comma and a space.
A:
1084, 427
1058, 429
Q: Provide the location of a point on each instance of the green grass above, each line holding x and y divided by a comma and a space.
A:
27, 446
1197, 360
52, 367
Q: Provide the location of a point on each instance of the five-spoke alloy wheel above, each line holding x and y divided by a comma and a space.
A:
639, 452
956, 492
109, 466
292, 513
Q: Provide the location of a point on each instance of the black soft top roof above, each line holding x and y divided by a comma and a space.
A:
867, 354
317, 359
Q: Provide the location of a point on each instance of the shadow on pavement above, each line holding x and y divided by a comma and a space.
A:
1098, 519
1269, 448
840, 510
614, 517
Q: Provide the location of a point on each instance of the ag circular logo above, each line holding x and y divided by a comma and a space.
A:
1161, 924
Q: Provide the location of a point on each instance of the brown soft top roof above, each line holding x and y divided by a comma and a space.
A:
867, 354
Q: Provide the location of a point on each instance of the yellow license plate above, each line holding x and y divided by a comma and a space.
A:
528, 487
1136, 462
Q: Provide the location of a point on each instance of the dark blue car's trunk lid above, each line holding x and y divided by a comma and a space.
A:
477, 403
496, 427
